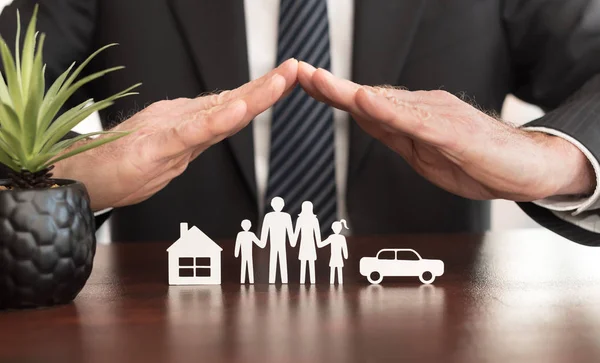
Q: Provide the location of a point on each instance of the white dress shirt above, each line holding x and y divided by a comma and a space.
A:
262, 17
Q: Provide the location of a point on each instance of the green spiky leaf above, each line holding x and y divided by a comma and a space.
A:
6, 159
4, 94
88, 146
67, 121
43, 123
67, 89
10, 130
35, 95
27, 58
30, 132
65, 144
12, 80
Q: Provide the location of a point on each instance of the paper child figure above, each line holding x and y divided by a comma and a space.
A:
243, 246
339, 251
307, 225
277, 225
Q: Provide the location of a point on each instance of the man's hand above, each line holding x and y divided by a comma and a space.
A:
167, 136
456, 146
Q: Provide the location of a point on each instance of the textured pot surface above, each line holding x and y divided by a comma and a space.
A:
47, 245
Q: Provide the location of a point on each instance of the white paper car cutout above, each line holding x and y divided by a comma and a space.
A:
400, 262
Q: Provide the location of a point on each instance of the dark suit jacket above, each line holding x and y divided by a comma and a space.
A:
543, 51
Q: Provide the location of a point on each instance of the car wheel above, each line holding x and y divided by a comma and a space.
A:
375, 277
427, 277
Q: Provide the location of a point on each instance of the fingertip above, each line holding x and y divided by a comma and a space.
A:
290, 65
306, 67
289, 71
305, 73
290, 62
278, 82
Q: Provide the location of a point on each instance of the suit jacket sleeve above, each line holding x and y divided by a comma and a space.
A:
69, 26
555, 49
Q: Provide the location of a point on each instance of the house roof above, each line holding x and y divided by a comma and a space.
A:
194, 241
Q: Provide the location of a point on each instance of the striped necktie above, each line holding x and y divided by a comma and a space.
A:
302, 161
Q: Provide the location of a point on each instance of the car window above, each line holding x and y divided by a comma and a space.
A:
407, 255
386, 255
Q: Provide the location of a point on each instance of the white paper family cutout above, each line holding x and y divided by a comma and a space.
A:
278, 229
195, 259
243, 249
307, 228
400, 262
339, 251
277, 225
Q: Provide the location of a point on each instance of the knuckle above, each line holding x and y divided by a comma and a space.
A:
213, 128
222, 97
207, 122
383, 91
442, 95
210, 99
421, 113
420, 96
180, 100
180, 137
176, 133
176, 166
399, 103
180, 167
418, 117
159, 106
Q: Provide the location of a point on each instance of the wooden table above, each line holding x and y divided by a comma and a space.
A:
524, 296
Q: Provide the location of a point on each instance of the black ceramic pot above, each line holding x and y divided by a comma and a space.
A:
47, 244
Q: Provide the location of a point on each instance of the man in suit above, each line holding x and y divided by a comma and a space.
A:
544, 51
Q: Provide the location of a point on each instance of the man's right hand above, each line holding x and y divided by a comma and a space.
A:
167, 136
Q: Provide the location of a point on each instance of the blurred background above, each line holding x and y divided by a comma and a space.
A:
505, 214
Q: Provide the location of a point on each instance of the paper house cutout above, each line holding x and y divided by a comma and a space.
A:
194, 259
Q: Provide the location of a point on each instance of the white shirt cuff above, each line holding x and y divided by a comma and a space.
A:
101, 212
589, 221
573, 204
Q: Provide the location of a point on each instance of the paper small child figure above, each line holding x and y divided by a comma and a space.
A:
339, 251
243, 247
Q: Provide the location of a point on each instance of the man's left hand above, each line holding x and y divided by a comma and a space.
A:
456, 146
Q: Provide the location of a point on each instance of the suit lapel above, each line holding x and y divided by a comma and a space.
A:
383, 34
216, 38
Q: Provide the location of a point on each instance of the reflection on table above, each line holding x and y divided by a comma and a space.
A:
526, 296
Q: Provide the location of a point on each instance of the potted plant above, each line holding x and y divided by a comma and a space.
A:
47, 231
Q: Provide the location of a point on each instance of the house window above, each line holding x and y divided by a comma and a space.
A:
194, 267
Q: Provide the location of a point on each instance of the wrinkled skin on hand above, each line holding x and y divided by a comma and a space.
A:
167, 136
456, 146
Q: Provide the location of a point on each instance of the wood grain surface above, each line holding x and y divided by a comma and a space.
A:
524, 296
